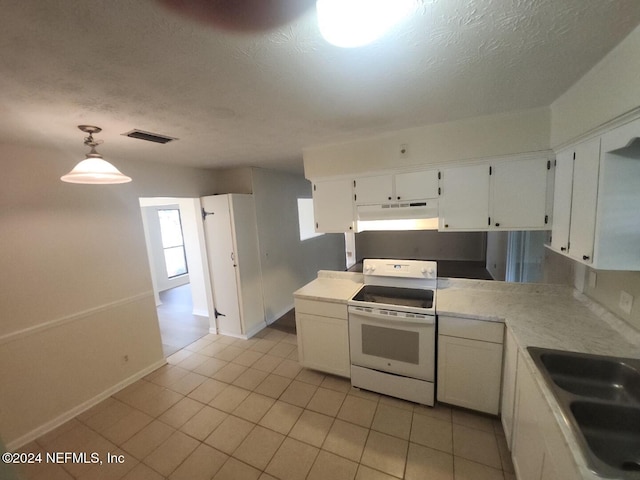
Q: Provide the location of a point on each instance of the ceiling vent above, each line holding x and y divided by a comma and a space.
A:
148, 136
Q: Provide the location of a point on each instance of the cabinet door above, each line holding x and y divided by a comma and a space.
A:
562, 201
323, 344
373, 190
416, 185
519, 194
469, 373
509, 385
583, 201
464, 204
333, 206
528, 441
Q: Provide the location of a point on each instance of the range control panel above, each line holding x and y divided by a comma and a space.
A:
400, 268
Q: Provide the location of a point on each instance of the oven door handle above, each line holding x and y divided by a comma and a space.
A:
422, 321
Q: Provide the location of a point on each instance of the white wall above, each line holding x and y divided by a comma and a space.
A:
288, 263
79, 298
487, 136
610, 89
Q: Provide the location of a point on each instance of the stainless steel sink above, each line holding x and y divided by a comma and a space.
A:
612, 433
600, 398
593, 376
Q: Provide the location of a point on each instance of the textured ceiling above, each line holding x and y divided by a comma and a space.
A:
258, 99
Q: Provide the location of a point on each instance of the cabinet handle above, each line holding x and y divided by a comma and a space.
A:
389, 198
446, 225
497, 224
585, 257
351, 228
563, 249
398, 198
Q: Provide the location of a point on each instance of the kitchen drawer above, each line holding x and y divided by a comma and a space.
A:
471, 329
322, 309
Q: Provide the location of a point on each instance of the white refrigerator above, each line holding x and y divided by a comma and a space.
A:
231, 238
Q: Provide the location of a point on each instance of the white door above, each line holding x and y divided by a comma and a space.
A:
416, 185
519, 194
222, 265
333, 206
584, 199
464, 204
373, 190
247, 260
562, 201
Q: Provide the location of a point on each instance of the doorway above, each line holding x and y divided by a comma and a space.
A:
177, 264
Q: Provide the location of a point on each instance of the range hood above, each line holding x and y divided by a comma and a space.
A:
418, 215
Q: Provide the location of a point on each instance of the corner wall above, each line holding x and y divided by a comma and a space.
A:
78, 313
287, 262
610, 89
607, 91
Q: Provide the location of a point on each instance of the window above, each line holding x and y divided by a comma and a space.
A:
306, 220
173, 242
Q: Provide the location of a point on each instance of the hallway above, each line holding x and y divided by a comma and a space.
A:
178, 326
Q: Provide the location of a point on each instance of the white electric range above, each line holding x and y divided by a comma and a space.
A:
392, 329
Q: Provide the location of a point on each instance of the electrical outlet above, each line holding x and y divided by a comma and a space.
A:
626, 302
404, 150
592, 279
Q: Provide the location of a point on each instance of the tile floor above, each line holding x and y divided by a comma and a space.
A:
226, 409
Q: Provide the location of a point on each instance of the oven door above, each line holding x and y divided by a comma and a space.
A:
393, 344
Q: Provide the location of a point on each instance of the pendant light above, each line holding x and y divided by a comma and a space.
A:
94, 170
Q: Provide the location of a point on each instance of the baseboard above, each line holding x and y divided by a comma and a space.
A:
280, 314
259, 327
83, 407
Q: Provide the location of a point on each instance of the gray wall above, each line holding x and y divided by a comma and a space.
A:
288, 263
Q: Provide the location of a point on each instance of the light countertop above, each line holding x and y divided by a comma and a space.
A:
334, 287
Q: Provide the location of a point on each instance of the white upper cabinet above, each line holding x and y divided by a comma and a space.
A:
373, 190
401, 187
584, 200
333, 206
416, 185
518, 194
464, 204
562, 201
602, 229
502, 195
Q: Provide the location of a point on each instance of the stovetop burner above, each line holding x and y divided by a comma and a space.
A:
396, 296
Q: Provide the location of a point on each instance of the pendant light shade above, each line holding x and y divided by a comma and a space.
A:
94, 170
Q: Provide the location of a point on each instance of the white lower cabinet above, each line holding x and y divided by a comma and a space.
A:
323, 336
538, 449
470, 363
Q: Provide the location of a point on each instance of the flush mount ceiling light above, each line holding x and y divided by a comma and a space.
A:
94, 170
354, 23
